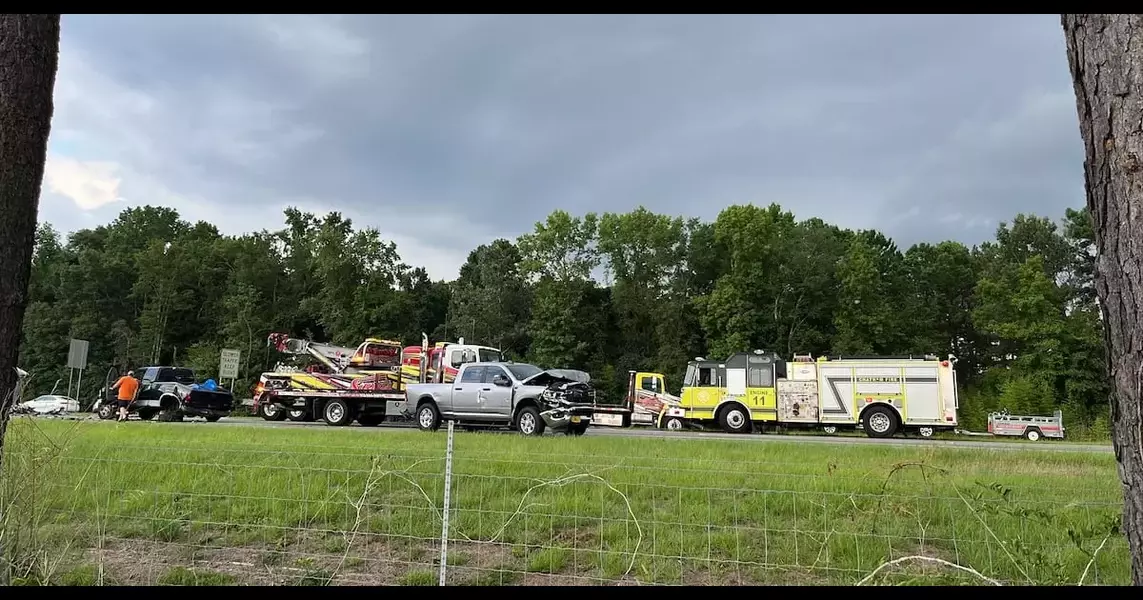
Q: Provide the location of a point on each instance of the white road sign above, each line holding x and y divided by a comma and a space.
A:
228, 364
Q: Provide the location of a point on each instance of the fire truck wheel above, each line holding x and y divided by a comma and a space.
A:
271, 412
428, 418
1033, 435
880, 422
337, 413
734, 419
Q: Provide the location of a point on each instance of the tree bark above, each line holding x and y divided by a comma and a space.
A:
1105, 53
29, 55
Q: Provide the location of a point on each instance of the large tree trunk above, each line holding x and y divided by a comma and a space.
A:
29, 54
1105, 53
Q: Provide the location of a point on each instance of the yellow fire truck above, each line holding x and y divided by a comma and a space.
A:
880, 394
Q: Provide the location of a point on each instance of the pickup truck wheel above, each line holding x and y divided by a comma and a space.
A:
170, 416
106, 411
578, 429
337, 413
529, 421
428, 418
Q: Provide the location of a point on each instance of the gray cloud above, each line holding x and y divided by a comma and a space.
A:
447, 131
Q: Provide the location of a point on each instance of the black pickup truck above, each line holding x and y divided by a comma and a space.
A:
170, 394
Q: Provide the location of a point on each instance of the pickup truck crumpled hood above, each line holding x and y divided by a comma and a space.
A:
557, 376
564, 386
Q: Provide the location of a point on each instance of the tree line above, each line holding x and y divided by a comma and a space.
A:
606, 293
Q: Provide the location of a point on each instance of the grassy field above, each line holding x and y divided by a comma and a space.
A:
185, 504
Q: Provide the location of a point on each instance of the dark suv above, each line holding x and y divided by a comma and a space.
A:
170, 394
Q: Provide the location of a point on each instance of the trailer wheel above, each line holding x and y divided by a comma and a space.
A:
337, 413
671, 424
1032, 434
428, 417
879, 422
734, 419
829, 429
926, 432
271, 412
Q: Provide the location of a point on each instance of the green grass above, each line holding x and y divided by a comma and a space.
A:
154, 503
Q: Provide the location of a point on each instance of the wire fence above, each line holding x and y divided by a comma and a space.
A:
145, 504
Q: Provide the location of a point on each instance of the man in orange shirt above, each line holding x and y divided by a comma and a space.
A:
128, 386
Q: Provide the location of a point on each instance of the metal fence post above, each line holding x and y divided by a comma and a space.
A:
446, 509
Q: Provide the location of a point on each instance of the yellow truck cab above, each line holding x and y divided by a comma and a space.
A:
647, 402
734, 392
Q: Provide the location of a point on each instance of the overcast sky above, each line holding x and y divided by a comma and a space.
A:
446, 132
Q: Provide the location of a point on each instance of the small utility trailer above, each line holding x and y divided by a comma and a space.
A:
1031, 427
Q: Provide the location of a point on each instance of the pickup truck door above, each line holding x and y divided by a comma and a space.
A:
497, 399
466, 391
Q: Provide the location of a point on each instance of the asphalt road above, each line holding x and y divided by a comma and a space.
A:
1043, 445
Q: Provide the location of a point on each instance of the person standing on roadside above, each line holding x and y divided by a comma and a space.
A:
127, 387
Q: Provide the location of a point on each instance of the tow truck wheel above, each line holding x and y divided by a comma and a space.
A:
299, 415
271, 412
734, 420
428, 418
337, 413
529, 421
880, 422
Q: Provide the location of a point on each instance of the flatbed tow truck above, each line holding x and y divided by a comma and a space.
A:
366, 384
646, 403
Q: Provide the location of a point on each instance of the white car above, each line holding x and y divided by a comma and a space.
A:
49, 404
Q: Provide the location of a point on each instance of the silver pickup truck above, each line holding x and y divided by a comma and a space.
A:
520, 396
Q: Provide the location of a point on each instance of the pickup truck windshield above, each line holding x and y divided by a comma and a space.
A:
523, 371
179, 375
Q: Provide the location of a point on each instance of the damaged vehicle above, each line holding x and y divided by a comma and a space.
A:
48, 404
169, 393
520, 396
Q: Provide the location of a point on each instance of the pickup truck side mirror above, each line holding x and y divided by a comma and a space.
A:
501, 381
